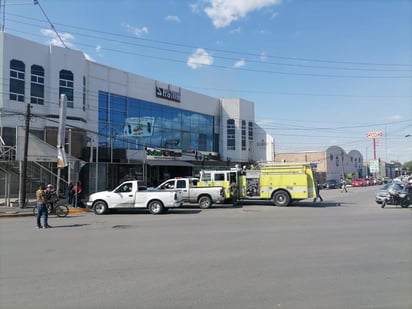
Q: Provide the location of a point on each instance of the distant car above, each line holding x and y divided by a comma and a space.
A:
331, 184
368, 182
358, 182
386, 180
383, 193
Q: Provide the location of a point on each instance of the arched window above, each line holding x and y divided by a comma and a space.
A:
66, 86
17, 71
231, 135
37, 85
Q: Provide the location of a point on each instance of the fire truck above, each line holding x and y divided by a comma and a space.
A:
282, 183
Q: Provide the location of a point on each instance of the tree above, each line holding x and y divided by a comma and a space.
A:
407, 166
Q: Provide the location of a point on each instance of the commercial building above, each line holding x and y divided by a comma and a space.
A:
118, 124
331, 164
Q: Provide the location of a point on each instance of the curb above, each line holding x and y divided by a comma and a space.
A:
29, 213
79, 210
16, 214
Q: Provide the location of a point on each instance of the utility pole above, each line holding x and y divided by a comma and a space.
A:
23, 175
3, 14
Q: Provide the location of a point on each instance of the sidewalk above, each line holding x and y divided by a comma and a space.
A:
16, 211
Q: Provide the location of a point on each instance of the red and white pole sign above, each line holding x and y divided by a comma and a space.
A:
374, 135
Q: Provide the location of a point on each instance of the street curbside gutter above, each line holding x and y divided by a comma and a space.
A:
14, 213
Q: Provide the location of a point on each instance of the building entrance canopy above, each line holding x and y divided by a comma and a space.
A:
168, 163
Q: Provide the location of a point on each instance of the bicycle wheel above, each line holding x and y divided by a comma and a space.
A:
61, 210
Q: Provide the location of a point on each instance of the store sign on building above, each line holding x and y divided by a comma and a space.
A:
161, 153
167, 94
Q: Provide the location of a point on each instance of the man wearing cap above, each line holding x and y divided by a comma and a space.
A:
41, 208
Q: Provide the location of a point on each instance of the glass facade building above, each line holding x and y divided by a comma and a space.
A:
130, 123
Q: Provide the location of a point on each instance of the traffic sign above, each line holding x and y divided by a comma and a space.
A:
374, 166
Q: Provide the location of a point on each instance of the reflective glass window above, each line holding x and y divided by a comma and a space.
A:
37, 85
142, 124
17, 74
231, 137
66, 86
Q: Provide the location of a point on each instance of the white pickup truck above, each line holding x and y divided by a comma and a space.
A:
130, 195
204, 196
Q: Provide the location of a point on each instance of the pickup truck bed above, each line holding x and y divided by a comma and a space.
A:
204, 196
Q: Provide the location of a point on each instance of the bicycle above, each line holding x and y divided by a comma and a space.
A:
53, 207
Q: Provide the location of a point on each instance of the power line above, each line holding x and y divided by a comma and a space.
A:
238, 53
36, 2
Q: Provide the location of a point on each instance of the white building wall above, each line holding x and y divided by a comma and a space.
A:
103, 78
341, 163
52, 59
263, 147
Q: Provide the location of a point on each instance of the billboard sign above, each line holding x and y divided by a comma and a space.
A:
374, 134
139, 126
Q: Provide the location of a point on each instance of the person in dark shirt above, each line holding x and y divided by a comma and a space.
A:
317, 189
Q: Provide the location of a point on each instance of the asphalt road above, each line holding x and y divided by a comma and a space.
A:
345, 252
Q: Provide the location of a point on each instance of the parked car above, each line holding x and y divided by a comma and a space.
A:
367, 182
331, 184
358, 182
382, 194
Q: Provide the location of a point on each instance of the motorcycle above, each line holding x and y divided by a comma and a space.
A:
398, 195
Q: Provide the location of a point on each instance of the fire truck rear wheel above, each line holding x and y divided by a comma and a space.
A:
281, 198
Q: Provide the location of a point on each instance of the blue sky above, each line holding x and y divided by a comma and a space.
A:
320, 72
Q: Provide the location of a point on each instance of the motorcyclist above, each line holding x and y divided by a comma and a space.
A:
399, 194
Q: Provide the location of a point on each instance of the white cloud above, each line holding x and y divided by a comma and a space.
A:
263, 56
396, 117
53, 39
236, 30
224, 12
98, 48
174, 19
239, 63
199, 58
136, 31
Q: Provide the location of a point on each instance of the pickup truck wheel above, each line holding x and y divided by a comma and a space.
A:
155, 207
281, 198
100, 208
205, 202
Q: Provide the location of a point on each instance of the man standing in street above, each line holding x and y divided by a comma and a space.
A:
343, 185
41, 208
317, 188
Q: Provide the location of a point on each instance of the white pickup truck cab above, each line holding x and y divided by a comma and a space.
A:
130, 195
204, 196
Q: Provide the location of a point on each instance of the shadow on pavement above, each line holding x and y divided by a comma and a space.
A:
146, 212
308, 204
69, 225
